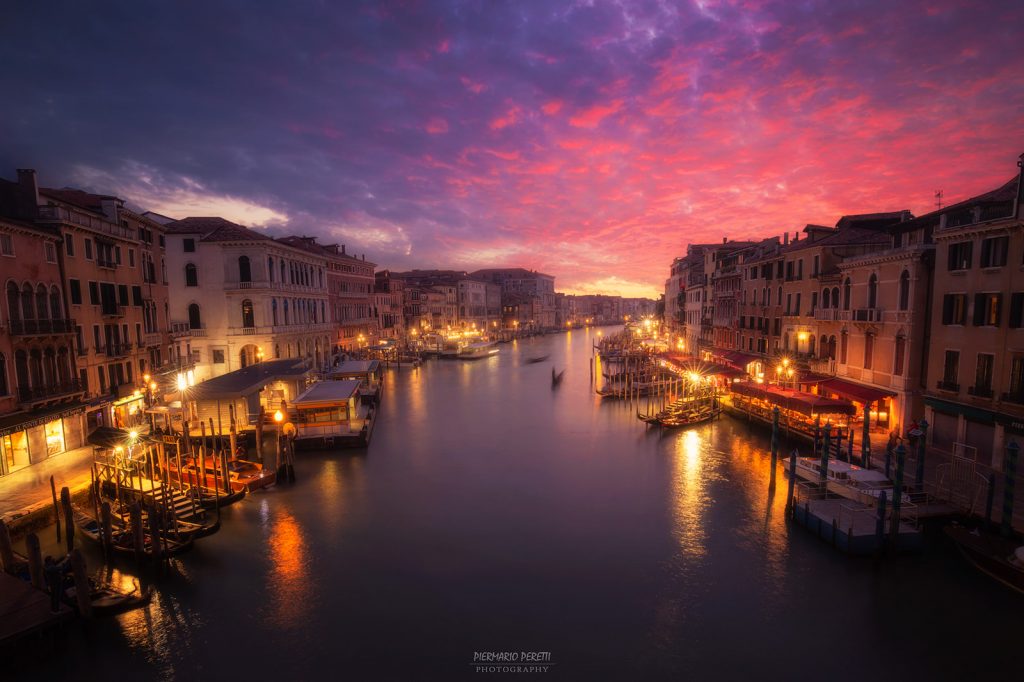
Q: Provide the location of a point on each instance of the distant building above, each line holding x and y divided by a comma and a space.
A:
517, 286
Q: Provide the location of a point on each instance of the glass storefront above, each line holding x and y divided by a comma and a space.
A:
15, 452
54, 437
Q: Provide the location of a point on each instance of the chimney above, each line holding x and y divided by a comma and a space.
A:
342, 249
109, 208
28, 193
725, 240
785, 239
796, 237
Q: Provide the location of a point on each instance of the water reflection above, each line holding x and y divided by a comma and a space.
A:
289, 581
690, 498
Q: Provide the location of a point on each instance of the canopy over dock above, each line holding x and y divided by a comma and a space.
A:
325, 393
798, 401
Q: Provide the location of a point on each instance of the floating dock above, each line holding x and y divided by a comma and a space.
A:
24, 610
853, 527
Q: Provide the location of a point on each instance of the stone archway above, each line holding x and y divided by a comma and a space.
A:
247, 355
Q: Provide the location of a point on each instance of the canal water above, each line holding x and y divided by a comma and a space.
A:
494, 513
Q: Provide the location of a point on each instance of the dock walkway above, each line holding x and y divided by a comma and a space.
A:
25, 610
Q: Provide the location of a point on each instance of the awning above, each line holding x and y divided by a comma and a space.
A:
739, 358
798, 401
20, 421
858, 392
971, 412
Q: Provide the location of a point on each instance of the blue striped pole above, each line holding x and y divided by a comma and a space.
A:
920, 453
823, 468
1009, 481
865, 440
775, 446
897, 491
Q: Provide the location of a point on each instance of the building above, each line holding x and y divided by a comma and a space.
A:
238, 297
41, 409
530, 293
350, 286
975, 345
389, 306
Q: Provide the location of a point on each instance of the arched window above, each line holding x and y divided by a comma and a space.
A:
286, 321
872, 291
28, 311
63, 366
195, 320
844, 344
35, 368
4, 386
42, 303
832, 347
273, 310
785, 340
835, 297
244, 269
49, 367
282, 272
248, 316
826, 298
823, 348
810, 345
191, 275
905, 290
56, 309
277, 351
13, 302
270, 267
847, 288
21, 371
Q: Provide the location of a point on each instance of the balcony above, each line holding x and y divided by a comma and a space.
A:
944, 385
179, 329
979, 391
37, 393
1015, 397
152, 339
119, 350
112, 311
867, 315
249, 331
827, 314
41, 327
61, 214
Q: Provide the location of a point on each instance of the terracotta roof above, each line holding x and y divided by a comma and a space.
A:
77, 197
215, 229
521, 273
312, 246
1004, 194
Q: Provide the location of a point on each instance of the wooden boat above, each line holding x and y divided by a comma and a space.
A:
121, 540
537, 358
848, 480
243, 475
108, 600
997, 557
690, 418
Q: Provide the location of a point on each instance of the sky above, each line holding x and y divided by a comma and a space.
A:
589, 140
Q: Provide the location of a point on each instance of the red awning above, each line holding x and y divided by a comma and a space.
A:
798, 401
739, 358
858, 392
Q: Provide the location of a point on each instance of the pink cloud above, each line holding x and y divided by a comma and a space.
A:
592, 117
436, 126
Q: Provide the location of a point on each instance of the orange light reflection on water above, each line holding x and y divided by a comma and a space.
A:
689, 489
289, 577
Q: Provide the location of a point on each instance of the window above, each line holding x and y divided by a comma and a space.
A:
244, 269
218, 356
51, 252
75, 289
789, 303
117, 254
960, 256
79, 339
796, 310
951, 369
88, 249
96, 338
248, 316
987, 309
1017, 378
273, 310
69, 245
844, 345
800, 269
189, 245
814, 302
847, 289
954, 309
191, 276
993, 252
983, 375
94, 293
816, 266
270, 267
6, 245
131, 258
194, 319
122, 294
137, 296
904, 290
869, 350
1016, 310
3, 375
873, 291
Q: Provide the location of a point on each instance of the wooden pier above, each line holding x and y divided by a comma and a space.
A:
25, 610
852, 527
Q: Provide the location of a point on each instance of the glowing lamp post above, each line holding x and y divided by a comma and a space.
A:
278, 418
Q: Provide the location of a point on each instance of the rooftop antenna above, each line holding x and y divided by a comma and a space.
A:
938, 199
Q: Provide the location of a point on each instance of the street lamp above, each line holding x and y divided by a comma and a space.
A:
278, 418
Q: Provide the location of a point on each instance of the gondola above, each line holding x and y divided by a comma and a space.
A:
997, 557
121, 541
110, 601
536, 359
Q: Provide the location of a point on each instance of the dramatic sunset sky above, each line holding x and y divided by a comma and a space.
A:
590, 140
